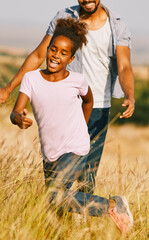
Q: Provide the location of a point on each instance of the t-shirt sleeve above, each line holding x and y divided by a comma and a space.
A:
26, 86
83, 88
123, 34
52, 24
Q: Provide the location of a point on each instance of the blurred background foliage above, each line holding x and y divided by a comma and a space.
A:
141, 114
9, 65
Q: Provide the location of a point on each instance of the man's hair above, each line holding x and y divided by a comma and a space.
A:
73, 29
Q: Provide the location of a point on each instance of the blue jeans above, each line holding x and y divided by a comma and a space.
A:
97, 128
61, 174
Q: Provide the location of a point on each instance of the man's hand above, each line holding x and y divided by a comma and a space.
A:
32, 62
21, 120
4, 94
130, 104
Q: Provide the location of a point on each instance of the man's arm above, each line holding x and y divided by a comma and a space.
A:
32, 62
126, 79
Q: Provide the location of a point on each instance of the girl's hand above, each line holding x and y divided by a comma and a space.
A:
21, 120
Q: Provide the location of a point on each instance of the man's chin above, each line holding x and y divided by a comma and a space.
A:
89, 12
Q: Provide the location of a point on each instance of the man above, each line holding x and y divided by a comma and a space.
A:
106, 55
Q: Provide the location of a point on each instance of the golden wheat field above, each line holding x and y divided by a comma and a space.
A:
25, 212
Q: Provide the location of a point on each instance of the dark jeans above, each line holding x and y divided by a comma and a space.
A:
68, 168
61, 174
97, 127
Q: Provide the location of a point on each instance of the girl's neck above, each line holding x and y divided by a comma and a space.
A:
54, 77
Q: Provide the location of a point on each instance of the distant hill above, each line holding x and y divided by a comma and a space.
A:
14, 57
28, 37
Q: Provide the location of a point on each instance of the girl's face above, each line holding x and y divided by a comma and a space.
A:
59, 54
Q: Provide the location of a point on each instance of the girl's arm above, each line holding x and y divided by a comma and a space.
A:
18, 115
87, 104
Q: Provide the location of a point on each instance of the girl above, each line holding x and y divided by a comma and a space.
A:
62, 119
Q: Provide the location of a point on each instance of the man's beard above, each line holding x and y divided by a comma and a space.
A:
90, 12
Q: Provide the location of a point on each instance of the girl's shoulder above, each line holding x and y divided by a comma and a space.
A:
79, 80
33, 73
32, 77
77, 76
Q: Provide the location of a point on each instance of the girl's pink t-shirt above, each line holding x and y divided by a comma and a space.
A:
57, 108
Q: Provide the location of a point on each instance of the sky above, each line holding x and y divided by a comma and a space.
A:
24, 23
135, 12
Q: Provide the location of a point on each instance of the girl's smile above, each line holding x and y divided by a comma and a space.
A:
53, 63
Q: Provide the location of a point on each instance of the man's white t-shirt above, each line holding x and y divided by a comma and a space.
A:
96, 65
58, 111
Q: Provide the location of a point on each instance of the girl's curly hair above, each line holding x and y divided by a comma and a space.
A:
73, 29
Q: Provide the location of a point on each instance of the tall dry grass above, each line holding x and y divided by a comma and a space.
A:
25, 213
